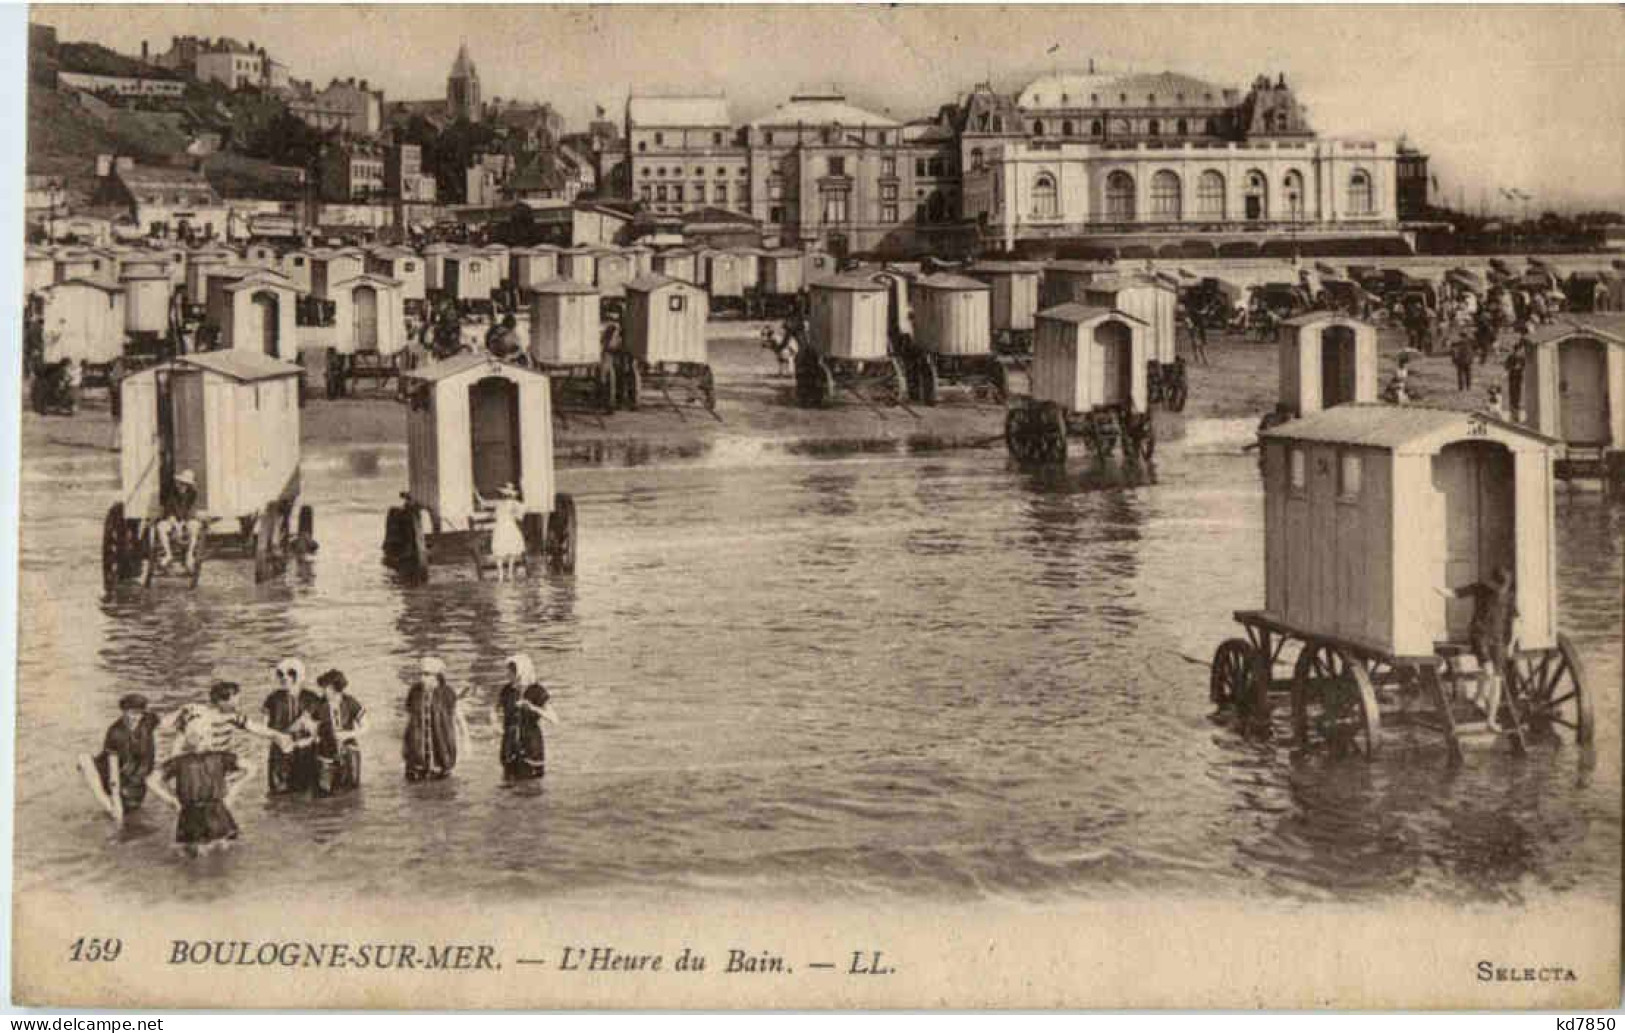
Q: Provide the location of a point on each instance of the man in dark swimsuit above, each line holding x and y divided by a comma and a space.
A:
1489, 633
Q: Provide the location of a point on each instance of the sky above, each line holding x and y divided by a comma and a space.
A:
1500, 97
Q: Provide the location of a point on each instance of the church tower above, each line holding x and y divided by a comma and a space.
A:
463, 87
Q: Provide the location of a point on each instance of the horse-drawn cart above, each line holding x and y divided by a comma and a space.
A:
952, 340
1014, 304
1088, 380
848, 345
566, 343
476, 425
231, 418
665, 344
1382, 525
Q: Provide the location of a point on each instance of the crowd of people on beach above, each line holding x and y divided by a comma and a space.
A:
315, 738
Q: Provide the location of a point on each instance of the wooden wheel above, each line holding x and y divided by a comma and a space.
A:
893, 384
1230, 680
561, 535
998, 381
1016, 433
1551, 691
1332, 697
1051, 433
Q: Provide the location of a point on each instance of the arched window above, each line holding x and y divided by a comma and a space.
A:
1120, 195
1182, 127
1210, 195
1360, 193
1096, 128
1067, 128
1046, 203
1038, 128
998, 123
1257, 198
1293, 189
1166, 205
1153, 128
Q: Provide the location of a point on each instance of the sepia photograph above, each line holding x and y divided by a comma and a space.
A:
820, 507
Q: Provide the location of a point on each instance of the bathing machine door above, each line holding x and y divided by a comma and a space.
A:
1582, 385
493, 415
1475, 481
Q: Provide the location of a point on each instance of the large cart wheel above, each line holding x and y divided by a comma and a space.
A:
1016, 433
113, 548
1552, 694
895, 384
1332, 696
1049, 431
1231, 680
561, 535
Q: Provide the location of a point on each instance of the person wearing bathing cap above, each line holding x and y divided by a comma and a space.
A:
433, 724
290, 771
522, 705
338, 721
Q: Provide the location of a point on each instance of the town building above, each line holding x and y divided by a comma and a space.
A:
346, 105
404, 178
485, 179
121, 85
352, 171
231, 64
685, 153
164, 202
463, 87
1412, 181
603, 148
1167, 154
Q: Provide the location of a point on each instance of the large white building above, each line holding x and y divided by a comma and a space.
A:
1058, 188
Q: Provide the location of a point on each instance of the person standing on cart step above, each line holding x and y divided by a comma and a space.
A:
179, 524
521, 707
434, 724
1490, 631
507, 537
290, 771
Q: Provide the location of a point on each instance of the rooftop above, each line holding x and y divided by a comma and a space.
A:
678, 111
823, 109
1394, 427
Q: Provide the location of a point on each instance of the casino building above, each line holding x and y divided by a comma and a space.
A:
1163, 157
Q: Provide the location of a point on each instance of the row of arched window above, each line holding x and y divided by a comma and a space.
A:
1168, 196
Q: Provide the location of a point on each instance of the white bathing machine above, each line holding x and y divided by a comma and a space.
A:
1377, 520
952, 339
848, 344
330, 268
231, 418
39, 270
83, 321
725, 280
676, 264
580, 264
533, 266
1066, 281
566, 343
254, 310
664, 342
1326, 360
406, 268
434, 267
476, 425
1088, 379
199, 264
613, 271
1574, 391
1013, 309
780, 280
469, 277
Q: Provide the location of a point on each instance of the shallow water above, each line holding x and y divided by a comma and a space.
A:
803, 672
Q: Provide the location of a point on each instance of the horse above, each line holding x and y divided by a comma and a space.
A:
784, 349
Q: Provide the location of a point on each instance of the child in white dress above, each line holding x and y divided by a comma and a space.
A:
507, 538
